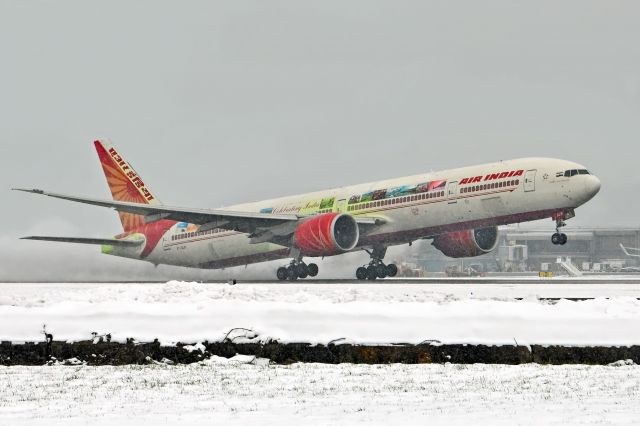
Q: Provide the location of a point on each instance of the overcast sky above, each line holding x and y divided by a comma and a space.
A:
217, 103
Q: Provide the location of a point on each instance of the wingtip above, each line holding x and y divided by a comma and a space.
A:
32, 191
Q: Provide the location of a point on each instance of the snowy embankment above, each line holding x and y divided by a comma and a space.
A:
371, 314
223, 392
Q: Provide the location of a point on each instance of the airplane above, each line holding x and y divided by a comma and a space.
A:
459, 210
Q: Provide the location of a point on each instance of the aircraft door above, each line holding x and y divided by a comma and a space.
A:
530, 181
341, 205
452, 191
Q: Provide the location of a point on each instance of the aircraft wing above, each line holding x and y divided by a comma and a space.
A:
249, 222
97, 241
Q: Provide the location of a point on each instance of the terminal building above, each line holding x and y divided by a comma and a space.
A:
530, 250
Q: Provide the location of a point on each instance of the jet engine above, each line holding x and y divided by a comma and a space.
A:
467, 243
326, 235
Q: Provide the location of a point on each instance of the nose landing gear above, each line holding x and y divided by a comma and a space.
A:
297, 269
559, 238
376, 268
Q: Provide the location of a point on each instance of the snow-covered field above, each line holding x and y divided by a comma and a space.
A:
220, 391
223, 392
307, 312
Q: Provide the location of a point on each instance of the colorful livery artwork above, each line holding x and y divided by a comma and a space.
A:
399, 191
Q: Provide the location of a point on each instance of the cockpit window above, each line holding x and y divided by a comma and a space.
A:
569, 173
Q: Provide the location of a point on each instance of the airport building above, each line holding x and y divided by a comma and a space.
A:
530, 250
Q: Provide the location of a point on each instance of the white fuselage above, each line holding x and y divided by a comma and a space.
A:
412, 207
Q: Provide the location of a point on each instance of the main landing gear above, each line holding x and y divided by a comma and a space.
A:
560, 239
376, 268
297, 269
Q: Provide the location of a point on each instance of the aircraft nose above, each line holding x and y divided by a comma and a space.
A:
592, 186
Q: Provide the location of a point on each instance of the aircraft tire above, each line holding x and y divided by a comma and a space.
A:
292, 273
302, 271
563, 239
361, 273
392, 270
281, 273
312, 269
556, 238
381, 270
372, 273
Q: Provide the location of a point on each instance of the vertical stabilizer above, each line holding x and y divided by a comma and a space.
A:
124, 182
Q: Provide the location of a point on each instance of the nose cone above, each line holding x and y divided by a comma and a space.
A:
591, 186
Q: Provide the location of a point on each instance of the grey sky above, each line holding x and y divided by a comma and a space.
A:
222, 102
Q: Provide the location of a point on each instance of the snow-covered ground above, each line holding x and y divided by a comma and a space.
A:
223, 392
378, 314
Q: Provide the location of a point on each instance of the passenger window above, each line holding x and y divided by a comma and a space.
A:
517, 182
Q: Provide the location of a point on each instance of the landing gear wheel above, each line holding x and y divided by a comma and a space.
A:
381, 270
302, 270
392, 270
312, 269
372, 273
559, 238
281, 273
361, 273
292, 273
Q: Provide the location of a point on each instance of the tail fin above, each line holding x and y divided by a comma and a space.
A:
124, 182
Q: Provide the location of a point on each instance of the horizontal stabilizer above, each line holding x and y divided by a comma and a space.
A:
97, 241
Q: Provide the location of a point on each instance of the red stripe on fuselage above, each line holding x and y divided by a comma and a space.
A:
153, 233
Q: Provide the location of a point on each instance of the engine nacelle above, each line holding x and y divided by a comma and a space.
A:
467, 243
327, 234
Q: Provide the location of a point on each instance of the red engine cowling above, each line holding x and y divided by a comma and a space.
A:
326, 235
467, 243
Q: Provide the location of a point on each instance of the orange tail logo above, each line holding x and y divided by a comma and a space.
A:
125, 184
